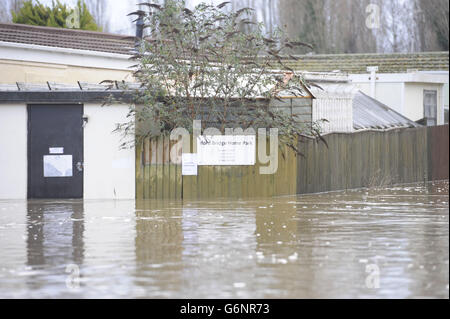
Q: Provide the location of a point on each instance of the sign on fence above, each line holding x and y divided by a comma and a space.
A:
189, 164
226, 150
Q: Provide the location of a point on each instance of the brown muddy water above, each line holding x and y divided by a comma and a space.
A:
383, 243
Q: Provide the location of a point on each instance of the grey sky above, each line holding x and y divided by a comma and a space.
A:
118, 9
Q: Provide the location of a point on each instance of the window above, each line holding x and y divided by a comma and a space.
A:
430, 107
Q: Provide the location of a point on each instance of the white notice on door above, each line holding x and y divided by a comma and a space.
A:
56, 150
58, 165
189, 164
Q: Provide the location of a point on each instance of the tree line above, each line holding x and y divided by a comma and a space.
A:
332, 26
345, 26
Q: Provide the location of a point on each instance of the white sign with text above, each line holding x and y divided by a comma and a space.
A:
188, 164
226, 150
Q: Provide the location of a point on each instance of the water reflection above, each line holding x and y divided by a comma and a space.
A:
54, 238
158, 244
55, 233
311, 246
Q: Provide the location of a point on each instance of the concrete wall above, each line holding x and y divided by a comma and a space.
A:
109, 172
13, 151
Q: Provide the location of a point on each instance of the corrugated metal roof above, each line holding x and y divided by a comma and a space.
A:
369, 113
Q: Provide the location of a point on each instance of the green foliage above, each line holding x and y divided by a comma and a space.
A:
55, 16
203, 65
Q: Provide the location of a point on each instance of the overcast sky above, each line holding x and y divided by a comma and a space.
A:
118, 9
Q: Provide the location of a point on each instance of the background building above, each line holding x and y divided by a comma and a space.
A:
413, 84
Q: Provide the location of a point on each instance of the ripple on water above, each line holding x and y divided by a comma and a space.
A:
308, 246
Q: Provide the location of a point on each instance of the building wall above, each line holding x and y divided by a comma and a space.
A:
36, 72
39, 64
446, 105
446, 95
300, 107
403, 92
446, 87
337, 112
108, 171
13, 151
414, 101
333, 102
390, 94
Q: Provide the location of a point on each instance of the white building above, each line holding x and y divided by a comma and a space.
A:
347, 109
416, 95
57, 141
60, 144
413, 84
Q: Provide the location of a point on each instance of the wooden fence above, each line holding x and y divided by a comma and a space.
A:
438, 152
372, 158
157, 177
363, 159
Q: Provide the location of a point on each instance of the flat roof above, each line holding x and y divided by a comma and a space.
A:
82, 92
61, 93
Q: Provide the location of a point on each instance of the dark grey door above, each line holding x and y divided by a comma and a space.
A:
55, 151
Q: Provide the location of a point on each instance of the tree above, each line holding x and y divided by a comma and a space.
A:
331, 26
200, 65
98, 10
56, 16
7, 6
3, 12
396, 32
433, 24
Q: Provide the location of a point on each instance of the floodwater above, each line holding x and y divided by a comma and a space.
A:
383, 243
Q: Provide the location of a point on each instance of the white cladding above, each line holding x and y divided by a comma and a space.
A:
334, 103
109, 172
13, 151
